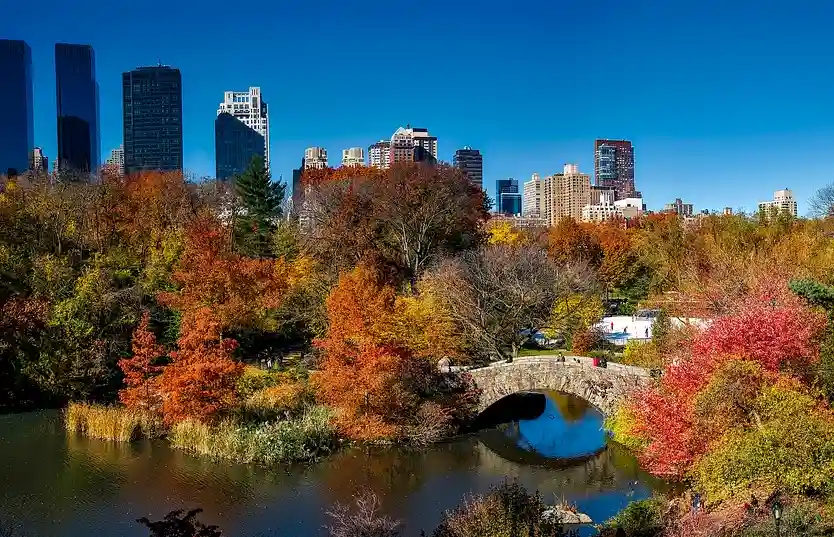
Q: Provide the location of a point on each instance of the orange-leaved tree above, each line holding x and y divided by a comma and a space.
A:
200, 381
239, 291
141, 375
365, 373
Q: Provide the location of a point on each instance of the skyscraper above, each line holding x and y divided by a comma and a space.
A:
564, 195
354, 156
152, 106
38, 162
242, 133
17, 132
78, 109
404, 141
315, 157
379, 154
507, 197
614, 167
532, 200
471, 162
117, 159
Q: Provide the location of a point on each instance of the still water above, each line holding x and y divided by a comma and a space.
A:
54, 484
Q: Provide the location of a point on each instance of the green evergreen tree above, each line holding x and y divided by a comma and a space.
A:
821, 295
261, 199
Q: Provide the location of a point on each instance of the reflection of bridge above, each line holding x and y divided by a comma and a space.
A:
603, 387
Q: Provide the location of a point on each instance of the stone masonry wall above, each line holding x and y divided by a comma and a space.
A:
602, 387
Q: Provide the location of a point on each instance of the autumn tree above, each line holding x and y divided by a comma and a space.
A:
774, 332
503, 232
200, 382
370, 375
500, 296
240, 291
141, 389
261, 199
570, 241
406, 219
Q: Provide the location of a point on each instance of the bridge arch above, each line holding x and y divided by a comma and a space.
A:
603, 387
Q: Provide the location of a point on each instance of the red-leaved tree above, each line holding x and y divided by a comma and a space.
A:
773, 329
141, 378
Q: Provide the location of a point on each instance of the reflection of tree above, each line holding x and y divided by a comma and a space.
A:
392, 473
571, 408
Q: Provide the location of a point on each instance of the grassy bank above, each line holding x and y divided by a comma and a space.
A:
304, 438
111, 423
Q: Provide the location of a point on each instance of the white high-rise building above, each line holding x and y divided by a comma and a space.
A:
249, 108
117, 159
531, 202
783, 203
354, 156
315, 157
379, 155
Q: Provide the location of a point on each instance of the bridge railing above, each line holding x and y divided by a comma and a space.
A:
569, 361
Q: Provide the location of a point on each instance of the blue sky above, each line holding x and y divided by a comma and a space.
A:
725, 101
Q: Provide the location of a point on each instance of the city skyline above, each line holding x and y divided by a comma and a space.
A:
685, 108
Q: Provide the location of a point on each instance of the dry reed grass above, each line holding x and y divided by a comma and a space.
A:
117, 424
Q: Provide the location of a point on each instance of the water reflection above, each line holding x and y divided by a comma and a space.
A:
58, 485
568, 429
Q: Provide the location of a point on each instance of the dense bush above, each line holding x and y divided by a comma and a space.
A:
642, 518
790, 447
508, 510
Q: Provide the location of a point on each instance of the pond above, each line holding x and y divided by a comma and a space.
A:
57, 484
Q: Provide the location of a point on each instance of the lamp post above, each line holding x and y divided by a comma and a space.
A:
776, 509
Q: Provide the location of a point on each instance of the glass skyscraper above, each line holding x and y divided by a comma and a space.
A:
614, 167
235, 143
78, 108
507, 197
152, 107
17, 132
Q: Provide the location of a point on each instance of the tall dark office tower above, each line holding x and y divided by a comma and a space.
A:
297, 190
507, 197
614, 166
235, 143
77, 103
152, 106
17, 132
471, 162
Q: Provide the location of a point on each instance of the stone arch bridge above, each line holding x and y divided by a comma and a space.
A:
603, 387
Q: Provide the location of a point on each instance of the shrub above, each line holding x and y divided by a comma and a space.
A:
433, 423
363, 519
118, 424
279, 401
508, 510
791, 448
305, 438
803, 518
621, 424
586, 340
642, 518
642, 354
255, 379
